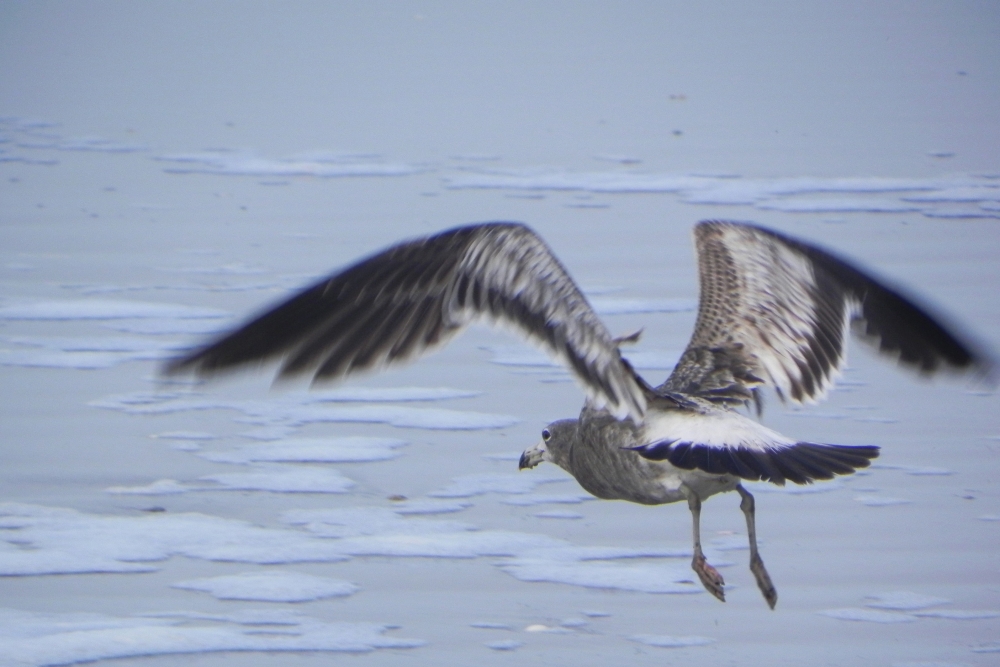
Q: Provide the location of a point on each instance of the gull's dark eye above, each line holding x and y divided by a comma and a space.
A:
546, 435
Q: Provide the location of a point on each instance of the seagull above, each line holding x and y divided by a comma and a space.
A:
773, 312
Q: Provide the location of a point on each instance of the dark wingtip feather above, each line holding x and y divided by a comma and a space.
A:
801, 463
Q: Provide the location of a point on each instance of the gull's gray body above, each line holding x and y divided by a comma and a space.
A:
773, 312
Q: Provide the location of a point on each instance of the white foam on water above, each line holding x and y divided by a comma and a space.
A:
670, 641
867, 615
546, 178
558, 514
158, 326
83, 353
904, 601
35, 638
311, 450
270, 586
300, 409
472, 544
64, 541
529, 499
838, 205
503, 456
959, 614
246, 164
824, 486
489, 625
990, 647
792, 194
968, 193
161, 487
881, 501
429, 506
918, 471
383, 394
282, 479
184, 435
601, 575
99, 309
623, 306
40, 540
94, 344
467, 486
87, 143
963, 214
74, 360
506, 355
371, 520
402, 416
250, 616
505, 645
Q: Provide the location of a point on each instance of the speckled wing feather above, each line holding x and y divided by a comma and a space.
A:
416, 295
776, 311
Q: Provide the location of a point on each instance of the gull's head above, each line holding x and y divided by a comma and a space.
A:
557, 440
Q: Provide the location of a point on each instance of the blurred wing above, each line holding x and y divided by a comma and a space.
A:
776, 311
398, 303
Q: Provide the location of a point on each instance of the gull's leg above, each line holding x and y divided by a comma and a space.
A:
756, 564
709, 576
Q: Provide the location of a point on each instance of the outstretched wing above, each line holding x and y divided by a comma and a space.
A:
776, 311
400, 302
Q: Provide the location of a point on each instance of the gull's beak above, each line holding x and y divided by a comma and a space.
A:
532, 457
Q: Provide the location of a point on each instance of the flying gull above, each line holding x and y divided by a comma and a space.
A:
773, 312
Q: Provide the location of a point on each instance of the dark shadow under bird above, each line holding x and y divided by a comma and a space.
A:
773, 312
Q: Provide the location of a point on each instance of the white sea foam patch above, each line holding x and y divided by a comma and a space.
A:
238, 163
356, 521
87, 143
82, 353
869, 615
159, 326
558, 514
429, 506
50, 639
37, 540
929, 196
621, 306
881, 501
671, 641
274, 478
795, 489
282, 479
299, 409
103, 309
161, 487
959, 614
311, 450
378, 531
527, 357
644, 578
270, 586
529, 499
904, 601
505, 644
467, 486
